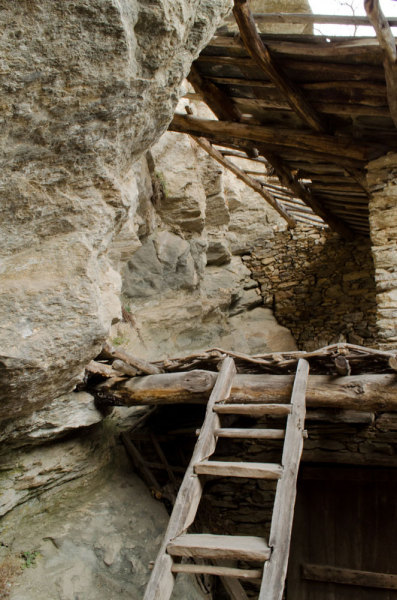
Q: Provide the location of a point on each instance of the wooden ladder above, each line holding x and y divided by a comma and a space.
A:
178, 543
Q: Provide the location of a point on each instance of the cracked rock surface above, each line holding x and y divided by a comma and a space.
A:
87, 87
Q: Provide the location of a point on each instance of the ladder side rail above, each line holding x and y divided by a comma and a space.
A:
275, 569
162, 579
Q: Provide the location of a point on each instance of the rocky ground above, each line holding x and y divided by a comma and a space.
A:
94, 542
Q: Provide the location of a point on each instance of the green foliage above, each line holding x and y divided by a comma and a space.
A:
119, 340
29, 557
162, 183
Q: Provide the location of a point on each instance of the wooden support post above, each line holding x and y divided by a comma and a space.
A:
388, 45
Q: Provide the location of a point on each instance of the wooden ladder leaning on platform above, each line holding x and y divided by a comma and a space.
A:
274, 555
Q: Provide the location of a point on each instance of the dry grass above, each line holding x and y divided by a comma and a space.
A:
9, 569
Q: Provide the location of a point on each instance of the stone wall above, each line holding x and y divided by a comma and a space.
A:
319, 286
382, 180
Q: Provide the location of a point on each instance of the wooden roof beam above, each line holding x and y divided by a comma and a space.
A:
262, 57
220, 104
217, 101
339, 149
388, 44
290, 180
309, 18
250, 181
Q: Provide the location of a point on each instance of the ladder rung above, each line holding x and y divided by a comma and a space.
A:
206, 545
218, 570
264, 434
239, 469
253, 410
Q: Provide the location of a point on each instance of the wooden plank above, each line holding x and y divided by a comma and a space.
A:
217, 570
365, 579
249, 181
260, 434
305, 18
341, 416
300, 70
365, 91
263, 58
254, 410
239, 469
358, 49
275, 569
276, 137
348, 109
291, 180
161, 580
368, 392
205, 545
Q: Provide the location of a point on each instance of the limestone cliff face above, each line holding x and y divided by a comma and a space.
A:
87, 86
185, 284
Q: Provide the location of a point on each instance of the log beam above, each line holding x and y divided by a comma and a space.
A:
243, 176
224, 108
388, 44
366, 393
338, 149
290, 180
263, 58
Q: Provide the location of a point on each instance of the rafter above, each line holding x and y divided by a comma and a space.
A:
388, 44
263, 58
250, 181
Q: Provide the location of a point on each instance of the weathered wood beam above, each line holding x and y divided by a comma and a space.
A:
290, 180
348, 108
382, 28
138, 363
275, 569
217, 101
262, 57
365, 579
250, 181
366, 393
305, 18
220, 104
388, 44
338, 148
221, 107
368, 91
161, 580
313, 70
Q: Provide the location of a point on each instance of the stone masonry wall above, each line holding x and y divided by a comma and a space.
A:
319, 286
382, 180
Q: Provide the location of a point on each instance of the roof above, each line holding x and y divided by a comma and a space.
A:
315, 108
